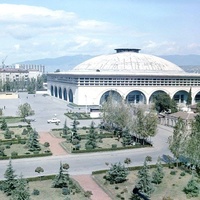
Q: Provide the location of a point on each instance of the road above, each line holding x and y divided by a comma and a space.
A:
45, 108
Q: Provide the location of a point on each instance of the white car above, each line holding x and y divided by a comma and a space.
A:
53, 120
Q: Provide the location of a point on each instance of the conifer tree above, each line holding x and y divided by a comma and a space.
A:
158, 173
33, 143
127, 138
60, 180
21, 192
65, 129
144, 183
92, 138
117, 173
75, 136
4, 125
10, 182
189, 99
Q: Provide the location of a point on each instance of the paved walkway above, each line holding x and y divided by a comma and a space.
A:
85, 181
88, 184
54, 142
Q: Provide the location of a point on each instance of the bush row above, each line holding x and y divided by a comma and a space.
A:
109, 149
12, 141
26, 156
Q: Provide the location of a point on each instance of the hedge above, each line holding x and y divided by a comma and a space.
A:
13, 141
25, 156
109, 149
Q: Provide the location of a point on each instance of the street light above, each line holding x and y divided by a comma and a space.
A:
86, 104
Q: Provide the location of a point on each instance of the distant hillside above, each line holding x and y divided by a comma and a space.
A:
190, 63
63, 63
183, 60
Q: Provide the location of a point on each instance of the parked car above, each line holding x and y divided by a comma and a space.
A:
53, 120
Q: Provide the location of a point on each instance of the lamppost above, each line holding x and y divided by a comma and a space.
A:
86, 104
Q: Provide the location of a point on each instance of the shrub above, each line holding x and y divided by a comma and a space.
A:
167, 198
192, 189
25, 132
14, 153
182, 174
36, 192
46, 144
7, 146
65, 191
75, 141
114, 146
173, 172
88, 146
88, 194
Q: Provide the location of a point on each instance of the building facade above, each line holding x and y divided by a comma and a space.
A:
127, 75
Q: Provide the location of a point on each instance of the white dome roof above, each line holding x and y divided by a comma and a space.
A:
128, 62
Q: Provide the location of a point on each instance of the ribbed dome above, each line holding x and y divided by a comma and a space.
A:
128, 61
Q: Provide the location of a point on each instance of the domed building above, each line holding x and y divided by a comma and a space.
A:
126, 74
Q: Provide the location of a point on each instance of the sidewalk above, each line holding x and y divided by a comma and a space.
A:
88, 184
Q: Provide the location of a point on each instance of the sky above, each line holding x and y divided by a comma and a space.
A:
36, 29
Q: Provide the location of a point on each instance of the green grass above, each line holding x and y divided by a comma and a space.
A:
47, 192
172, 186
11, 119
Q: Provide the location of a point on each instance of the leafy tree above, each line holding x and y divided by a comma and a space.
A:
39, 83
192, 145
33, 143
21, 192
176, 141
91, 138
158, 173
163, 102
39, 170
25, 110
189, 99
144, 183
31, 85
10, 182
117, 173
192, 189
60, 180
4, 125
145, 124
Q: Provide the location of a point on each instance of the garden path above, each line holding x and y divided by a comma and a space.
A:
85, 181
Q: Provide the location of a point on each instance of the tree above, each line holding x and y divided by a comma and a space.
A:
127, 161
91, 138
163, 103
21, 192
2, 148
31, 85
158, 174
39, 170
144, 184
32, 142
145, 124
189, 99
25, 110
177, 140
39, 83
65, 129
60, 180
127, 138
10, 182
4, 125
192, 145
117, 173
75, 136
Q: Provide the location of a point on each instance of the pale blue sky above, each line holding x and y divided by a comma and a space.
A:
34, 29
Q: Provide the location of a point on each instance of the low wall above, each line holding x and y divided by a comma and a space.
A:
8, 95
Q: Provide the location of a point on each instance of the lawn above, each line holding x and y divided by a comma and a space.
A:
171, 186
47, 192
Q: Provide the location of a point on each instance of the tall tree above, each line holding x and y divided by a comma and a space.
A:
192, 146
4, 125
158, 173
144, 184
60, 180
21, 192
32, 142
75, 136
10, 182
189, 99
177, 140
91, 138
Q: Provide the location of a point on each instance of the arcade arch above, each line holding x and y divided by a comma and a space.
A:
71, 99
56, 91
60, 92
113, 94
181, 96
151, 98
135, 97
65, 94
